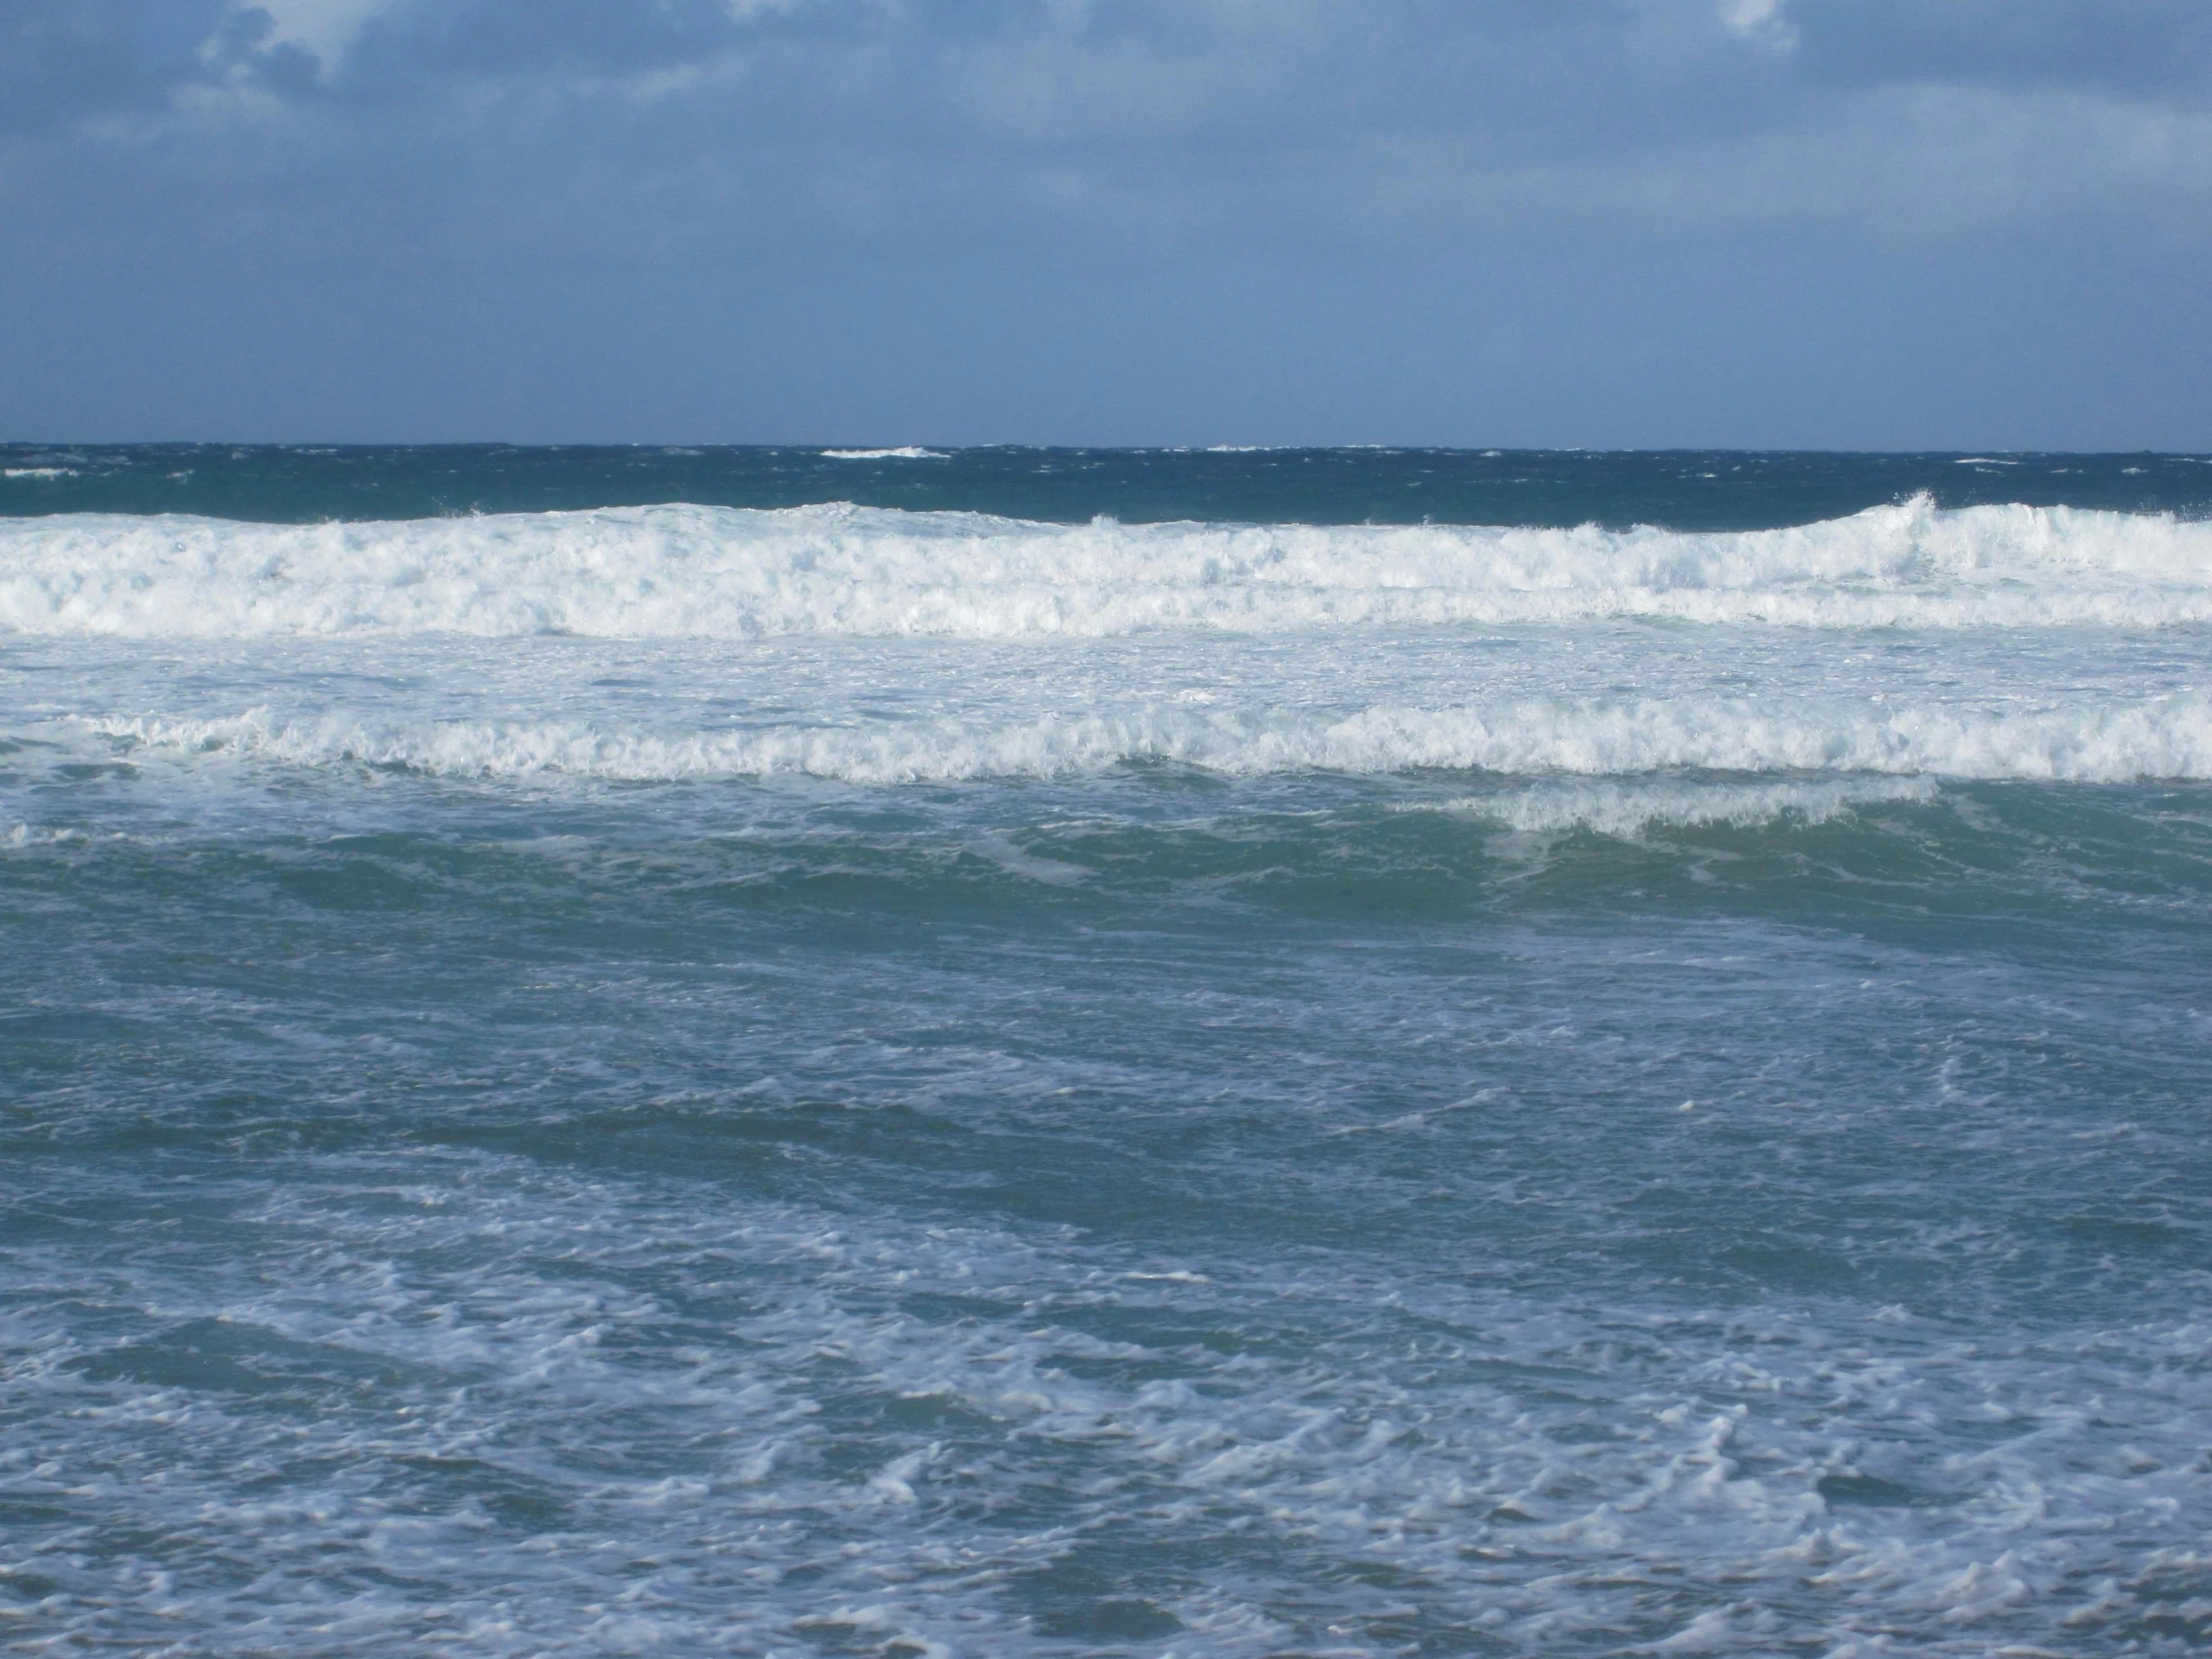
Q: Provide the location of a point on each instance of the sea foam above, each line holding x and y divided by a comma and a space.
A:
1630, 806
709, 572
2109, 741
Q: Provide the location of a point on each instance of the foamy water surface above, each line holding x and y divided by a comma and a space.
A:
826, 1079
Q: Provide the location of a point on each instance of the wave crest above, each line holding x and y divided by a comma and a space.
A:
709, 572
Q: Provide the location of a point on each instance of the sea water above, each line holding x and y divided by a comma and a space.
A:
1033, 1052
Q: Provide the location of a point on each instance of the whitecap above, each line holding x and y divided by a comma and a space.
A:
2118, 741
842, 570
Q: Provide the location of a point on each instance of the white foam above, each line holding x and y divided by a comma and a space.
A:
39, 472
773, 1498
1631, 808
2111, 742
907, 452
705, 572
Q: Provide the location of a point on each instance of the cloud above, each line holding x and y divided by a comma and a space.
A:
1757, 20
672, 127
1245, 184
2137, 47
326, 29
63, 62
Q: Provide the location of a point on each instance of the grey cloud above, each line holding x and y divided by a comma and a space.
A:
592, 38
63, 62
720, 149
2142, 46
67, 62
1518, 80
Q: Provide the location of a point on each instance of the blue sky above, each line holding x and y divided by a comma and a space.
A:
1822, 223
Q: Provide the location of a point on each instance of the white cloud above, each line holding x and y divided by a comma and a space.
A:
1757, 20
328, 28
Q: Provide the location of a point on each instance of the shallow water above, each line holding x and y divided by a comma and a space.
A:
958, 1087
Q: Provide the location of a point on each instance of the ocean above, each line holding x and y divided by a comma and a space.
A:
1010, 1051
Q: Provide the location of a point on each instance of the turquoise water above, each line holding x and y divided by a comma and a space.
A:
953, 1075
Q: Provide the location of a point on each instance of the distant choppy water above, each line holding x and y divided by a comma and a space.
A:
1346, 1052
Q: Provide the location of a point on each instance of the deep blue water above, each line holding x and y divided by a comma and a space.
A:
1680, 489
1337, 1052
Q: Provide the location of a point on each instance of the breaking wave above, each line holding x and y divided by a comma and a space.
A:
711, 572
2156, 737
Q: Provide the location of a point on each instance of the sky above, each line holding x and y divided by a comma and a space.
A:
1834, 223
